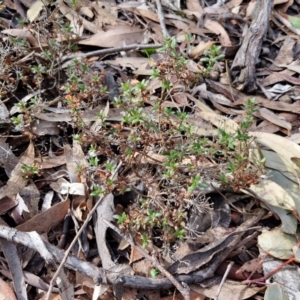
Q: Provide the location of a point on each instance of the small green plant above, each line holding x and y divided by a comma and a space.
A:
30, 170
97, 191
144, 240
110, 166
152, 218
179, 234
121, 218
196, 183
212, 56
18, 122
94, 161
92, 151
154, 272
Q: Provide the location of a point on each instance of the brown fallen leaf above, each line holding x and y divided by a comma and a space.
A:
48, 219
193, 296
291, 79
266, 126
116, 37
253, 265
23, 33
230, 290
218, 29
6, 292
41, 127
233, 3
17, 181
129, 294
200, 48
273, 78
273, 118
35, 9
194, 5
7, 203
50, 162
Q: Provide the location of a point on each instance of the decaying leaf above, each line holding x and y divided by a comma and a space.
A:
274, 194
48, 219
277, 243
6, 291
218, 29
34, 11
116, 37
230, 290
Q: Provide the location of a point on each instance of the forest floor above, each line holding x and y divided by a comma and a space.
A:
149, 149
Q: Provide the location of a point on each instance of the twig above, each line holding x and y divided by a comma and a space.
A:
67, 252
223, 279
110, 51
262, 279
183, 290
161, 19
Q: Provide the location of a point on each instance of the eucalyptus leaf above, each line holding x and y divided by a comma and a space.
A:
275, 292
277, 243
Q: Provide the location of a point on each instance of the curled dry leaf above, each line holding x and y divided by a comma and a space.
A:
200, 48
253, 265
218, 29
285, 148
64, 187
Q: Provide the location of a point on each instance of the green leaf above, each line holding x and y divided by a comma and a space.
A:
275, 292
295, 21
277, 243
153, 273
205, 59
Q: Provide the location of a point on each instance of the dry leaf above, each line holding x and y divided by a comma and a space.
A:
218, 29
116, 37
194, 5
277, 243
230, 290
274, 194
23, 33
200, 48
5, 291
273, 118
48, 219
253, 265
34, 11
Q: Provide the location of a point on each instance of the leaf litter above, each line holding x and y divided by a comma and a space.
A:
139, 166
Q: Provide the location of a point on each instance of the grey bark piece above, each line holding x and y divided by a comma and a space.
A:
104, 211
247, 56
10, 252
288, 277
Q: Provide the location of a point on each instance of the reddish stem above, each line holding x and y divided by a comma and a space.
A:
262, 279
